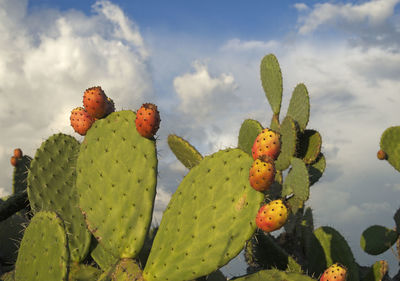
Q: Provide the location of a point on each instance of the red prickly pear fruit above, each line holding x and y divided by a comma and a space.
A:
381, 155
267, 143
18, 153
262, 173
272, 216
14, 161
147, 120
95, 102
81, 120
336, 272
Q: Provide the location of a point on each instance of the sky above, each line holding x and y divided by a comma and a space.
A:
199, 62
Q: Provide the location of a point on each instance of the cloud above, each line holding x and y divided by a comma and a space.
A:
50, 57
374, 13
160, 204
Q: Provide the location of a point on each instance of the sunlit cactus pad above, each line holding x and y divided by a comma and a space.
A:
208, 220
390, 144
184, 151
117, 175
51, 187
43, 254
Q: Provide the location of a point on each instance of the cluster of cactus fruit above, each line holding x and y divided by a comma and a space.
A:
82, 211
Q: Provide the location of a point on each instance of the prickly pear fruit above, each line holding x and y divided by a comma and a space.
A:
14, 161
272, 216
336, 272
95, 102
81, 120
381, 155
267, 143
262, 173
18, 153
147, 120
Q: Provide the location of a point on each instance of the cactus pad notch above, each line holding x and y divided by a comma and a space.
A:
208, 219
117, 177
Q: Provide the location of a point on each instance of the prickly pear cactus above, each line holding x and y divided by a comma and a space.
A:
117, 176
208, 220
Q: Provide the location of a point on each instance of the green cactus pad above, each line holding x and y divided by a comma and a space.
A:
82, 272
337, 250
215, 276
103, 258
297, 182
310, 142
11, 230
274, 275
184, 151
274, 125
314, 252
288, 133
271, 80
390, 144
20, 174
116, 182
43, 253
299, 106
377, 239
396, 218
316, 170
127, 269
376, 272
249, 131
12, 204
208, 220
308, 220
52, 187
106, 275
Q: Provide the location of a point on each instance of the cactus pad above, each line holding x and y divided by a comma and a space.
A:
208, 220
51, 187
390, 144
43, 254
316, 170
297, 182
288, 133
309, 146
299, 106
116, 182
21, 173
337, 250
376, 239
127, 269
249, 131
271, 79
184, 151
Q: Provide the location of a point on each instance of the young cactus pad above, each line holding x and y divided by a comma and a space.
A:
117, 177
184, 151
271, 80
208, 220
51, 187
43, 254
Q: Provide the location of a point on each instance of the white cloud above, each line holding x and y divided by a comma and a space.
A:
201, 95
48, 60
160, 204
240, 45
374, 12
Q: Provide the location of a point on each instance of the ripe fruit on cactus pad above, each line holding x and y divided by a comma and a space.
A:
381, 155
267, 143
18, 153
95, 102
336, 272
262, 173
147, 120
81, 120
272, 216
14, 161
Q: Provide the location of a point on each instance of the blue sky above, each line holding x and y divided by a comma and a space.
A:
199, 62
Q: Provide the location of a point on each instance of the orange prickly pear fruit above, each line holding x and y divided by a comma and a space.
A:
336, 272
81, 120
262, 173
18, 153
14, 161
267, 143
272, 216
381, 155
147, 120
95, 102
